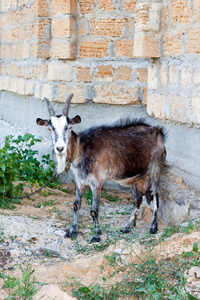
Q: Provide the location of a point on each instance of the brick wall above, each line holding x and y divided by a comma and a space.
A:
50, 48
174, 77
105, 51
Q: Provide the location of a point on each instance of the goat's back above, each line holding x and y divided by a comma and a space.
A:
120, 151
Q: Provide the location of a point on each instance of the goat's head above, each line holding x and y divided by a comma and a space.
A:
60, 126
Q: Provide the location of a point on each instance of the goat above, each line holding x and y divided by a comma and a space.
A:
130, 152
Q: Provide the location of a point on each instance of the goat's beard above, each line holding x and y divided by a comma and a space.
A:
61, 162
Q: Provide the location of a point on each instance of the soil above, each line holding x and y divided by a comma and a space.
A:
34, 233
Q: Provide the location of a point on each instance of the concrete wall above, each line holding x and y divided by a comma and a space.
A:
18, 114
115, 56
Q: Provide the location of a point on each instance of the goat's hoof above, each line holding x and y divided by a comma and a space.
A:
125, 229
153, 229
95, 239
70, 234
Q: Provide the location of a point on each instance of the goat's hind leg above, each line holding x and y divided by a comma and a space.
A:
137, 200
154, 225
72, 231
96, 195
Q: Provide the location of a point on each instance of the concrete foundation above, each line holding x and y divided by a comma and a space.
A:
19, 113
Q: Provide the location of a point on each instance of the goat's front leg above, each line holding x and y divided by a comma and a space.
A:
96, 195
72, 231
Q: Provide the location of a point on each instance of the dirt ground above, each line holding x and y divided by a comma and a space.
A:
33, 233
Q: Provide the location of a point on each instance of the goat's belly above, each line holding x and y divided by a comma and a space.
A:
128, 181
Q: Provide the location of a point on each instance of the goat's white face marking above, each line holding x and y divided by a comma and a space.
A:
60, 134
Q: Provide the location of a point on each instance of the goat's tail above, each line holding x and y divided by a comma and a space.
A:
158, 167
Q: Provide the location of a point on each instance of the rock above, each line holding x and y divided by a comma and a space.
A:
51, 291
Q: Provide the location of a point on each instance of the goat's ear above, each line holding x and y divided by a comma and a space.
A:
75, 120
42, 122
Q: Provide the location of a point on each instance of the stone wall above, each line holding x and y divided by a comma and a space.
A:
53, 48
174, 77
128, 54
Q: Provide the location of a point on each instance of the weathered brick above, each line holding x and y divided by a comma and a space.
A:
41, 29
180, 11
3, 35
142, 74
64, 90
163, 74
84, 74
142, 20
105, 73
177, 109
155, 105
9, 35
153, 76
130, 5
116, 94
21, 86
146, 45
96, 49
6, 83
29, 88
165, 14
173, 74
172, 43
37, 89
108, 27
196, 76
196, 10
62, 27
28, 32
46, 91
13, 85
193, 41
105, 5
63, 50
124, 48
42, 8
15, 35
196, 109
25, 50
14, 3
63, 6
186, 76
86, 6
60, 71
19, 51
124, 73
41, 49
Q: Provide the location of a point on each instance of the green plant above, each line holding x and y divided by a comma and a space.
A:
112, 198
45, 203
150, 279
18, 162
23, 288
111, 259
169, 231
191, 226
193, 256
88, 196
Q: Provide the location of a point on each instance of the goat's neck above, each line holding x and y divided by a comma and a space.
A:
73, 147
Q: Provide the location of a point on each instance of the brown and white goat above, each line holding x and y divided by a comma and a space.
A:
130, 152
